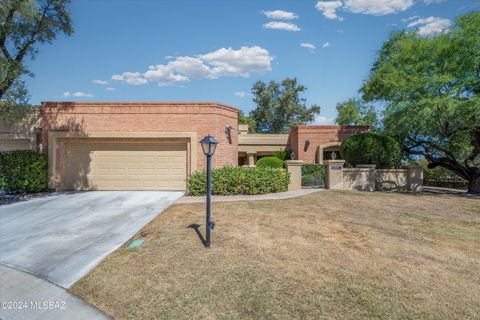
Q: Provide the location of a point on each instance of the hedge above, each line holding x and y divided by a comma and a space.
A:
240, 180
23, 171
313, 175
272, 162
372, 148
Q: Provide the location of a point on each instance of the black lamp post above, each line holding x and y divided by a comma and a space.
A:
209, 144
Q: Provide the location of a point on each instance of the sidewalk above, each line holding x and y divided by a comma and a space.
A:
24, 296
268, 196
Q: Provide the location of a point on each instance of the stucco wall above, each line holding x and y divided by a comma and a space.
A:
365, 179
317, 136
20, 131
202, 118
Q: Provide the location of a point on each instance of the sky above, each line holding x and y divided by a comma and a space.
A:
214, 50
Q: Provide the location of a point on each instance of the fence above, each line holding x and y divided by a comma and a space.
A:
371, 179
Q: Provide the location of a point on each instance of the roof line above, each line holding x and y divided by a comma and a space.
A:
122, 104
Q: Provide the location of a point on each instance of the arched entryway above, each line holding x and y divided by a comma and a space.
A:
325, 151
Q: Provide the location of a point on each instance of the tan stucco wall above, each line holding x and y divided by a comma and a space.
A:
20, 133
383, 179
294, 168
359, 179
262, 143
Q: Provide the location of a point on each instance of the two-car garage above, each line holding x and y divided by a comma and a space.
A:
127, 164
133, 145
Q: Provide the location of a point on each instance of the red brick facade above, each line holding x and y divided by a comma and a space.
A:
202, 118
305, 140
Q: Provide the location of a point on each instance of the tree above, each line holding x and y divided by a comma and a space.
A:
372, 148
243, 119
25, 24
431, 87
356, 112
280, 107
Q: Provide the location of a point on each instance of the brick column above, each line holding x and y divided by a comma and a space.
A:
294, 167
334, 174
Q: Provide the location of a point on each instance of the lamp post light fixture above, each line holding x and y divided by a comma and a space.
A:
209, 144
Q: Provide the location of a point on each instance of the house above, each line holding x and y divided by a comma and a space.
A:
153, 146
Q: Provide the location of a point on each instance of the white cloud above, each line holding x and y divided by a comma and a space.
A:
323, 121
280, 14
100, 82
78, 94
311, 47
279, 25
111, 89
377, 7
428, 2
410, 18
212, 65
430, 26
240, 94
329, 8
134, 78
326, 45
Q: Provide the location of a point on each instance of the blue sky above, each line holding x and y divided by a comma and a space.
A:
146, 50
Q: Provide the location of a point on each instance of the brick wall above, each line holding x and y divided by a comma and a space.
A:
203, 118
318, 135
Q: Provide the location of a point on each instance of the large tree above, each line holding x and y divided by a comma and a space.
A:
24, 25
280, 107
356, 112
431, 89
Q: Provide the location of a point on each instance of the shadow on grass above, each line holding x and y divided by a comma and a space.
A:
440, 192
196, 227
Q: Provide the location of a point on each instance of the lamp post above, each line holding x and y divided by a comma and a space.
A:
209, 144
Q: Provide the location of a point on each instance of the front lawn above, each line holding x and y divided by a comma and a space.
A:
328, 255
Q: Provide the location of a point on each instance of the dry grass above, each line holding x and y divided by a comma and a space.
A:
329, 255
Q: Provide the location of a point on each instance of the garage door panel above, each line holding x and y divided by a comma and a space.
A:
125, 166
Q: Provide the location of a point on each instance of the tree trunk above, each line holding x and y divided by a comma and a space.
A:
474, 184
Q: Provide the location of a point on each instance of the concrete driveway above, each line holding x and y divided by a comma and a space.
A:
61, 237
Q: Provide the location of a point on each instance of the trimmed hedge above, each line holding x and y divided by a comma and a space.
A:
23, 171
372, 148
239, 180
313, 174
272, 162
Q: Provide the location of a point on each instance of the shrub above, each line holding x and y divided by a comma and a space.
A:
308, 180
272, 162
23, 171
239, 180
313, 174
372, 148
282, 154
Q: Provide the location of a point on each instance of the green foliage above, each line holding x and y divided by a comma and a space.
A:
308, 180
431, 90
23, 171
272, 162
280, 107
243, 119
440, 177
240, 180
356, 112
313, 174
282, 154
24, 25
372, 148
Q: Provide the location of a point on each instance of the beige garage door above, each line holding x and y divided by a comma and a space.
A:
125, 166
